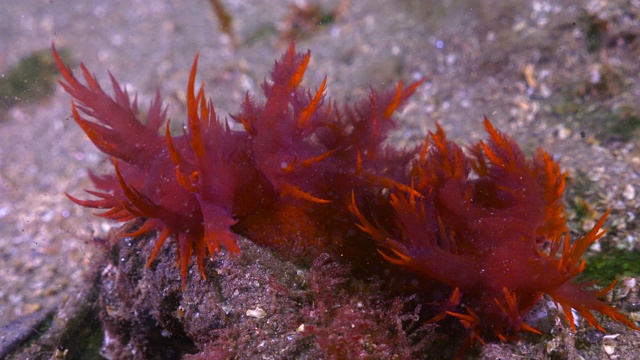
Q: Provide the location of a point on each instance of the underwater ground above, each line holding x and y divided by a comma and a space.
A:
563, 75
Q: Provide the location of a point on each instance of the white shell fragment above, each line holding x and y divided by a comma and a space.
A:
257, 313
609, 344
629, 192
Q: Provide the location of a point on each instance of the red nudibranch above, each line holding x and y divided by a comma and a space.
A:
475, 221
483, 235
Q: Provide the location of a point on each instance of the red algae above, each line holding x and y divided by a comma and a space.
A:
308, 176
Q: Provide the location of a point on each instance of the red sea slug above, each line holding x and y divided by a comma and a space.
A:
289, 166
154, 181
478, 223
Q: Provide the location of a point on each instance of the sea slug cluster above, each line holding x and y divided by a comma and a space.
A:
306, 174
